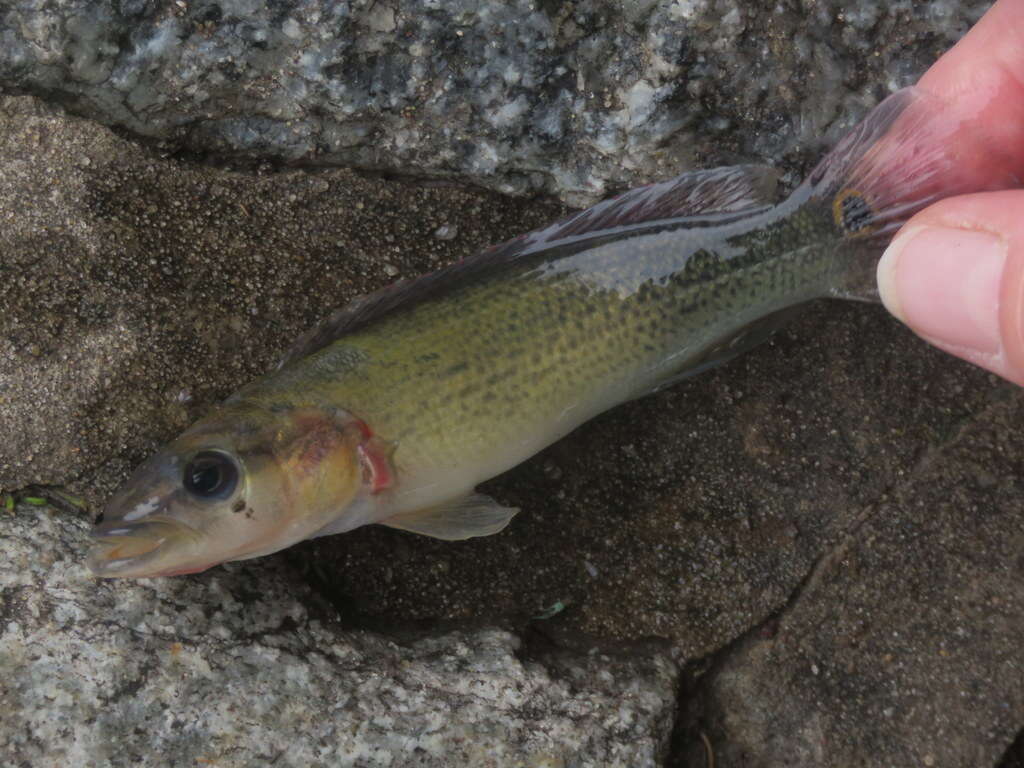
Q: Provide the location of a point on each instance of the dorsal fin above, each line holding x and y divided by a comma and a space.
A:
717, 190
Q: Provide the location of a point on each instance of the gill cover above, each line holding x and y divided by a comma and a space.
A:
323, 460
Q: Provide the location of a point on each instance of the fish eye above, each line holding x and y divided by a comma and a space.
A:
210, 475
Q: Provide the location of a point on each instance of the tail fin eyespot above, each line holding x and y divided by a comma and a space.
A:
853, 215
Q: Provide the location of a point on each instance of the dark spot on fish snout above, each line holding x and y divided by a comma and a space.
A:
238, 506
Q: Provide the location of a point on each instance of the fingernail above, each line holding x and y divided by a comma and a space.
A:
944, 283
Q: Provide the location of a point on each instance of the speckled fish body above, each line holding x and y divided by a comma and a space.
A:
397, 406
472, 381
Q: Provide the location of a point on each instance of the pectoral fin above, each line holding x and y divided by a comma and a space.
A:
463, 518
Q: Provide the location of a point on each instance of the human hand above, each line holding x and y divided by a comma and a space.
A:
955, 271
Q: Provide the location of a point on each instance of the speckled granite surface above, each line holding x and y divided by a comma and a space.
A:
573, 98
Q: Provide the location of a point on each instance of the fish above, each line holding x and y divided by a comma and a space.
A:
397, 406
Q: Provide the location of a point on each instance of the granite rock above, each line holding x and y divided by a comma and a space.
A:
136, 290
572, 98
247, 669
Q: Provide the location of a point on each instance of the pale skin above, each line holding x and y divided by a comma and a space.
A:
955, 272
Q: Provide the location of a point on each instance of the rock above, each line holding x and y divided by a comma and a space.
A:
1014, 757
691, 515
135, 292
244, 670
903, 647
568, 98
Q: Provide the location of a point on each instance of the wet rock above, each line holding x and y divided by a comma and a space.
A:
245, 669
572, 98
903, 647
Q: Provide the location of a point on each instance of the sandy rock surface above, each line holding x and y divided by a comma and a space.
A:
827, 531
911, 622
138, 291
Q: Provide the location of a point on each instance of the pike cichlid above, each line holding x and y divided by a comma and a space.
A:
398, 405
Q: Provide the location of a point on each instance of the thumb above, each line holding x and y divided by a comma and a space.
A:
955, 275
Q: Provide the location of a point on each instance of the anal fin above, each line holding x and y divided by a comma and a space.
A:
462, 518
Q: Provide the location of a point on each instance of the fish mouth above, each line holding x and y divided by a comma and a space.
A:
139, 549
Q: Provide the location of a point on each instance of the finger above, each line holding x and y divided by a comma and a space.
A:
955, 275
981, 80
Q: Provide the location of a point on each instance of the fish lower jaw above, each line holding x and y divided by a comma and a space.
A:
113, 557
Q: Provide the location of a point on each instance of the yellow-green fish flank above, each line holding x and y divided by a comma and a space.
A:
398, 405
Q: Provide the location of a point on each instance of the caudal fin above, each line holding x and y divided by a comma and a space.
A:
907, 153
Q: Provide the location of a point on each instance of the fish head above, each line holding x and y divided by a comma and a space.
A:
238, 484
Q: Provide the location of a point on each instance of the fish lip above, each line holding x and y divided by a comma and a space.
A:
108, 538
